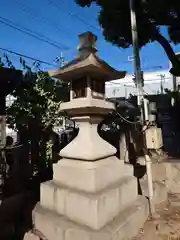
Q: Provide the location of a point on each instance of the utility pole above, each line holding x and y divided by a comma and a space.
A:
137, 63
142, 103
162, 76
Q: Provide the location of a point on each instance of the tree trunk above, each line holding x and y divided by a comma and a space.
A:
175, 70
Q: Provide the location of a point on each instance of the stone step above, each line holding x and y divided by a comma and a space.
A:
125, 226
100, 207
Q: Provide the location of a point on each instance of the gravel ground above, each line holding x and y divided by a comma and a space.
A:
165, 226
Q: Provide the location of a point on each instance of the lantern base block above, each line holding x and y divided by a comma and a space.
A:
125, 226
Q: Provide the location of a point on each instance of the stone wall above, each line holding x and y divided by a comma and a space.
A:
172, 167
166, 180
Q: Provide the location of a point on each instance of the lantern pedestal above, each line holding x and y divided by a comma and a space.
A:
93, 194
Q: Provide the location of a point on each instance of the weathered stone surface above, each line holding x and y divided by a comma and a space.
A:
174, 200
88, 145
30, 236
173, 176
90, 176
100, 207
125, 226
160, 191
158, 172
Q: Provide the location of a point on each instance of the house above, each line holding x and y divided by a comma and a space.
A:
154, 83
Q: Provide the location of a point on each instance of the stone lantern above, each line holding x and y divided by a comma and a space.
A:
93, 194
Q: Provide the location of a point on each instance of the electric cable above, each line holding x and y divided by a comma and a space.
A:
28, 57
126, 120
42, 19
74, 15
31, 33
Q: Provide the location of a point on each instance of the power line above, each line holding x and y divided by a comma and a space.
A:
74, 15
25, 56
118, 85
63, 1
31, 13
145, 81
33, 34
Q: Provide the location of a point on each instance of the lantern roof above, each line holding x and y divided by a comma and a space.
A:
87, 63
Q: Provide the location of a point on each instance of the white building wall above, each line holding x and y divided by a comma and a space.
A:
9, 132
152, 84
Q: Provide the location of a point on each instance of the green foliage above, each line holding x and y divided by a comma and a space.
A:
114, 18
35, 109
38, 97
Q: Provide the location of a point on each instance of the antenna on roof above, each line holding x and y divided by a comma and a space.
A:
60, 60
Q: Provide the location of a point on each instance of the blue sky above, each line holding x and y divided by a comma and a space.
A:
61, 24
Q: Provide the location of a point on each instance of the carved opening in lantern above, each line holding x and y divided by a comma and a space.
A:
98, 88
79, 87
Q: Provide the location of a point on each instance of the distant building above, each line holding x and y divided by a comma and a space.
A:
154, 83
9, 132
